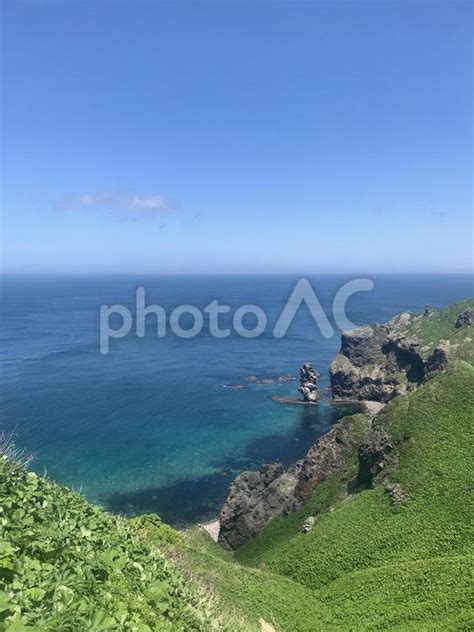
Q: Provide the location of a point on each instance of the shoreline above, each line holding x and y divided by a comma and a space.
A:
370, 408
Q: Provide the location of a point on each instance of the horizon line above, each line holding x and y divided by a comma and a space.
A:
237, 274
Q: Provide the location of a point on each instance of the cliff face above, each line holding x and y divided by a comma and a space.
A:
255, 498
379, 362
375, 364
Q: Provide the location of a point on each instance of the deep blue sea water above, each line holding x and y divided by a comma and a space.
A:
151, 426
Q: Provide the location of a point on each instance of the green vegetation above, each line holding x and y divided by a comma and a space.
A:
66, 565
367, 564
438, 325
151, 528
246, 594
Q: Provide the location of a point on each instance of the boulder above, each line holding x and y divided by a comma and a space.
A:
398, 495
465, 318
308, 524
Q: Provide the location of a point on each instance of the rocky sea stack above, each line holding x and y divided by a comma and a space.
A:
309, 377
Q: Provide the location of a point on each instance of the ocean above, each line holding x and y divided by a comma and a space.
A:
165, 424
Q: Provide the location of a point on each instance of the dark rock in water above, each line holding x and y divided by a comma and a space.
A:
255, 498
251, 379
465, 318
283, 379
309, 383
287, 399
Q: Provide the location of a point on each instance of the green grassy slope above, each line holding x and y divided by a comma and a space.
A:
245, 595
66, 565
432, 594
438, 325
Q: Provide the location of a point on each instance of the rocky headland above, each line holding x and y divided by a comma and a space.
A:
379, 362
375, 364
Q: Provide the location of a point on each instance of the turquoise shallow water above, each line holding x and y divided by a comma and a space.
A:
151, 426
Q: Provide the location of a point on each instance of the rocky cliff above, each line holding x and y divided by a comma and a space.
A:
376, 363
379, 362
256, 497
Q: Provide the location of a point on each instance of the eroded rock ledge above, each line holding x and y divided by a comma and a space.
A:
379, 362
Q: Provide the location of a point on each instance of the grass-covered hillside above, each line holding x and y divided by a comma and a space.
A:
440, 325
369, 563
66, 565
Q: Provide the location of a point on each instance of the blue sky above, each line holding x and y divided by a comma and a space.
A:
237, 137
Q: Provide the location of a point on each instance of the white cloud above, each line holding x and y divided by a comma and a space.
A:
126, 207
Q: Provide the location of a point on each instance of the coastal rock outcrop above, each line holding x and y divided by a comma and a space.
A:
379, 362
309, 383
375, 364
438, 360
322, 460
378, 456
256, 497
